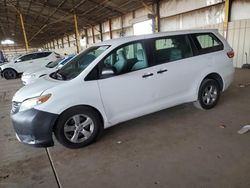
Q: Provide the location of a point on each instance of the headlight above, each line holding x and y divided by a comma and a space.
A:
31, 103
28, 75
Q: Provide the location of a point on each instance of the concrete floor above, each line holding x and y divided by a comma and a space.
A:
177, 147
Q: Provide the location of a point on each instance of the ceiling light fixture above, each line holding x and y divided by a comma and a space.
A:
7, 41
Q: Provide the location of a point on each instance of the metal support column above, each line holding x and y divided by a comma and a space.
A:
87, 37
157, 17
68, 40
24, 32
57, 43
110, 29
77, 34
100, 29
227, 14
62, 42
93, 34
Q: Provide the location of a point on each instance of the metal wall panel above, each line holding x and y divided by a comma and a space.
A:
173, 7
240, 10
239, 39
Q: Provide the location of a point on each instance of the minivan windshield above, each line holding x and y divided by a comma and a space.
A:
75, 66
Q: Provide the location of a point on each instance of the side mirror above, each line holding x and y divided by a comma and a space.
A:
107, 72
17, 60
59, 66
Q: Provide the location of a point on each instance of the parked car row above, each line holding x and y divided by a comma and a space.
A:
38, 59
117, 80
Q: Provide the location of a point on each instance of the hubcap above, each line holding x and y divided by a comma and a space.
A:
78, 128
210, 95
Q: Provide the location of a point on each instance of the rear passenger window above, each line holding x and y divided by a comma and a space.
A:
172, 48
206, 43
43, 54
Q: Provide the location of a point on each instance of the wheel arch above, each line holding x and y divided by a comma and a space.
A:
88, 106
208, 75
215, 76
10, 69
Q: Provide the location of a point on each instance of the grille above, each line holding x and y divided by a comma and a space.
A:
15, 107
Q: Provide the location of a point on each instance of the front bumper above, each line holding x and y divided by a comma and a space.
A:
34, 127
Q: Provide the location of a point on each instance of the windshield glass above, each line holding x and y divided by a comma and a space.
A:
75, 66
53, 63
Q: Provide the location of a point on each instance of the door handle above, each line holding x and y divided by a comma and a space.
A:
162, 71
147, 75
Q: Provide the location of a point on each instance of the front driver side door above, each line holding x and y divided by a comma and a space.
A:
130, 93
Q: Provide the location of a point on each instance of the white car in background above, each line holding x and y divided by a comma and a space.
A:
38, 59
31, 75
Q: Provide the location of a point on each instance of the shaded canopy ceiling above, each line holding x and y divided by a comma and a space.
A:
49, 19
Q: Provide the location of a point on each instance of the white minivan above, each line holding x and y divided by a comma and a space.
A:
32, 60
121, 79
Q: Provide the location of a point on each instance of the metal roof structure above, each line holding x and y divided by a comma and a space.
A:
46, 20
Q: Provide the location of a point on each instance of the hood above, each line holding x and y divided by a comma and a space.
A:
34, 70
35, 89
44, 71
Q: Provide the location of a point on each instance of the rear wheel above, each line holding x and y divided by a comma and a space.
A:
209, 94
78, 127
9, 74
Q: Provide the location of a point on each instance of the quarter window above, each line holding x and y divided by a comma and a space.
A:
171, 48
206, 43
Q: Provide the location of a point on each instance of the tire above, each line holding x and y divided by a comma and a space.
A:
9, 74
209, 94
78, 127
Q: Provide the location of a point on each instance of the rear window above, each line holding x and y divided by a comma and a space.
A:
206, 43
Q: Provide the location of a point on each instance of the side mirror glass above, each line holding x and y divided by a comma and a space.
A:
107, 72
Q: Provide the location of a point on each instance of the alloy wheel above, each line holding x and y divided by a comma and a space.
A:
210, 95
78, 128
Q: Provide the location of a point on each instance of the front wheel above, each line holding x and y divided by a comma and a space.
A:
78, 127
9, 74
209, 94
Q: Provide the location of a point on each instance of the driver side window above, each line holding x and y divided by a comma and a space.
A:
126, 59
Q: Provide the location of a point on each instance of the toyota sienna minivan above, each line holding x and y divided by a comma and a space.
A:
121, 79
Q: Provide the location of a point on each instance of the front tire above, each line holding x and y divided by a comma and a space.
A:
78, 127
209, 94
9, 74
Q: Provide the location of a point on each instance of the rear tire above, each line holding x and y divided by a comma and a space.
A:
209, 94
78, 127
9, 74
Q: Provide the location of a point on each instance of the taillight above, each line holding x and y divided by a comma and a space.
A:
230, 54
